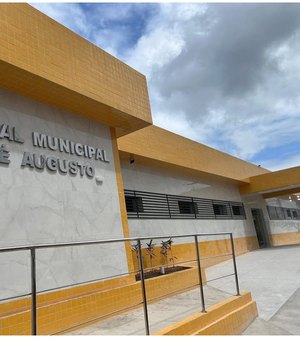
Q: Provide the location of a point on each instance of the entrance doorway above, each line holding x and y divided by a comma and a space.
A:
259, 223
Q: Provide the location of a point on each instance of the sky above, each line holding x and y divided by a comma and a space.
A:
225, 75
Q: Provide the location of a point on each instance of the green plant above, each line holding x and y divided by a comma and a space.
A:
166, 247
135, 248
150, 253
172, 258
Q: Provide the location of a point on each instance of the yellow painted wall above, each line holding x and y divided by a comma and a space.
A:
61, 309
121, 194
273, 181
159, 145
46, 61
281, 192
66, 308
285, 238
229, 317
187, 252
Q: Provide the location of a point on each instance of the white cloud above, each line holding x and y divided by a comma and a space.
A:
164, 38
225, 75
71, 16
279, 164
177, 124
107, 25
155, 50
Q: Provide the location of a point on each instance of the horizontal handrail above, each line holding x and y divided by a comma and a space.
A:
220, 277
83, 243
33, 247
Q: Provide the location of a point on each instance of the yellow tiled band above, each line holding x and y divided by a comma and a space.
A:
46, 61
285, 238
58, 311
273, 181
229, 317
154, 147
186, 251
123, 211
61, 309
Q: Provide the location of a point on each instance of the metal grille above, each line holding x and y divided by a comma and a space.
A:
279, 213
162, 206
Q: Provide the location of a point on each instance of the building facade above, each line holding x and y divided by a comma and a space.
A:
80, 160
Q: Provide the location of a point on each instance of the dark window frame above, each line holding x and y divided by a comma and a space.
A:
240, 208
187, 207
219, 209
280, 213
134, 204
164, 206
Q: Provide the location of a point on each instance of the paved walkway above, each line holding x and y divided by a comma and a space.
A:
273, 277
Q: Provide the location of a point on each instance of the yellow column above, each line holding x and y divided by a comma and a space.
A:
121, 198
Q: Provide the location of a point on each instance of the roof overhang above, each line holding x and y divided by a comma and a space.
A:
272, 184
175, 169
159, 147
46, 61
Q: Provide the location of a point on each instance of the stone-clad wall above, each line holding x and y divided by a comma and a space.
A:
40, 206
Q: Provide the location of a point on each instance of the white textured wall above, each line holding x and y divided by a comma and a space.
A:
272, 226
42, 207
283, 226
137, 177
278, 202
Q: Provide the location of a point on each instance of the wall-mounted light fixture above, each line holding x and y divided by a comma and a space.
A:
99, 179
131, 159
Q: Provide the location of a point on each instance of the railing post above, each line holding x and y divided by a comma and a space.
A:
200, 275
234, 265
141, 267
33, 292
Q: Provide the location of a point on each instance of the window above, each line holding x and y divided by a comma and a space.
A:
272, 212
153, 205
279, 213
134, 204
237, 210
220, 209
186, 207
